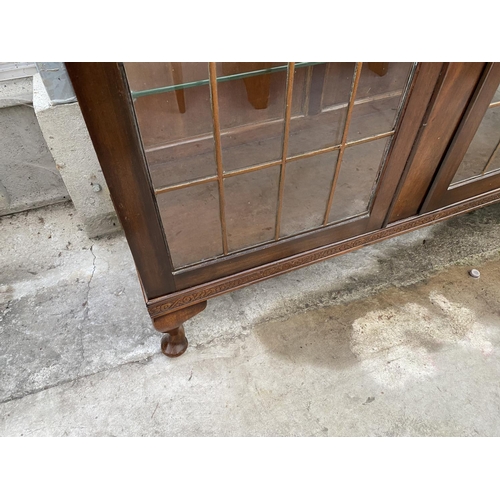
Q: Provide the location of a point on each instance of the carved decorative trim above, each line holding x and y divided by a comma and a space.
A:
183, 298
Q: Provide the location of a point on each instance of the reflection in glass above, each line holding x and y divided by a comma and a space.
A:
337, 84
191, 221
378, 99
174, 111
252, 111
251, 201
496, 97
176, 126
144, 76
482, 155
356, 181
495, 160
307, 187
321, 121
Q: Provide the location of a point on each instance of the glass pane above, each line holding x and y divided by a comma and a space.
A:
174, 112
338, 82
378, 99
176, 126
358, 173
320, 123
251, 201
299, 94
495, 163
191, 222
307, 187
496, 97
481, 148
252, 111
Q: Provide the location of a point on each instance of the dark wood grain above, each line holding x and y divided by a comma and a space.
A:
439, 195
380, 68
420, 93
179, 94
174, 342
104, 99
447, 107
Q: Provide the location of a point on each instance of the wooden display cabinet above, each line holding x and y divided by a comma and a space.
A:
226, 174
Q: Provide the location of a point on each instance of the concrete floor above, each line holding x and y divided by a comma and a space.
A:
29, 177
391, 340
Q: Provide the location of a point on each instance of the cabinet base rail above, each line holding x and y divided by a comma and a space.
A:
170, 311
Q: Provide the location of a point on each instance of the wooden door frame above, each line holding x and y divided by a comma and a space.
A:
439, 194
451, 96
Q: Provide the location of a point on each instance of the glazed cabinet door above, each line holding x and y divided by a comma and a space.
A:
217, 168
251, 162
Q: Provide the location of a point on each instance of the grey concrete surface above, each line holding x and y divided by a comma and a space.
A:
28, 174
67, 137
16, 92
394, 339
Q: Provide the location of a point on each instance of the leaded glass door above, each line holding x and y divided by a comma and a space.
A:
250, 162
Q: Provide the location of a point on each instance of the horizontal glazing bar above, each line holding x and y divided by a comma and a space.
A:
369, 139
247, 170
365, 100
198, 83
337, 147
303, 156
196, 182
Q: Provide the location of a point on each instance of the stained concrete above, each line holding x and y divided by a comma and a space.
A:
394, 339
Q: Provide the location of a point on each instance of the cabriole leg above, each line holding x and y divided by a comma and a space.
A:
174, 342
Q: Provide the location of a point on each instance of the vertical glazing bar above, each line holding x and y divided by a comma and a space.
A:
286, 133
214, 97
354, 88
492, 157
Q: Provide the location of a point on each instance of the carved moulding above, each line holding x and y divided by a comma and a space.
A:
183, 298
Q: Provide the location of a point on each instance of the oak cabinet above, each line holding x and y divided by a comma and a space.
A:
225, 174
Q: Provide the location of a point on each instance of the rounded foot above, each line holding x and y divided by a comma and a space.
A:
174, 343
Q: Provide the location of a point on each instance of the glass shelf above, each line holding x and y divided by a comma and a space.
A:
198, 83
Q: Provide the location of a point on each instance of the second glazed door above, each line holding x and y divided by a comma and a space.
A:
471, 165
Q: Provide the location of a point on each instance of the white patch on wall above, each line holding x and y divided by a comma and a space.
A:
397, 344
